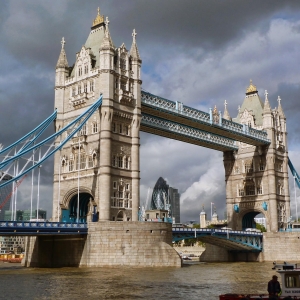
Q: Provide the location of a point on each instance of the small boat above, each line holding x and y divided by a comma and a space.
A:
290, 285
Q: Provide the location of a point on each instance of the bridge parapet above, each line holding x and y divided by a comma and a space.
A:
230, 239
38, 228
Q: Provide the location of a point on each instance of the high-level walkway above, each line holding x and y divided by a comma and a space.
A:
180, 122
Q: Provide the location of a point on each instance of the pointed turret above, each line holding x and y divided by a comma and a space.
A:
267, 107
107, 42
280, 110
134, 52
250, 112
62, 59
267, 113
226, 113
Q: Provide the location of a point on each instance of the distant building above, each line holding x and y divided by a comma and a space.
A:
175, 203
24, 215
261, 221
12, 244
214, 220
5, 197
166, 198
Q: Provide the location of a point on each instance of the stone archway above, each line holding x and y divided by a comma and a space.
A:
72, 214
248, 221
120, 216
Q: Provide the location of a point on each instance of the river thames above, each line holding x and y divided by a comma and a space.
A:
193, 281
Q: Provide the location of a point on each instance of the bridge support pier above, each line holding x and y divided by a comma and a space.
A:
107, 244
214, 253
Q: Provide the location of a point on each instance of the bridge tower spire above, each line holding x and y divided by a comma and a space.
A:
101, 164
257, 177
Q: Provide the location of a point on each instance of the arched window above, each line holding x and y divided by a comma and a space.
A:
80, 161
120, 162
73, 91
127, 130
259, 189
79, 89
95, 127
250, 188
126, 163
79, 71
248, 167
86, 69
123, 62
63, 164
85, 87
114, 161
83, 130
71, 165
91, 86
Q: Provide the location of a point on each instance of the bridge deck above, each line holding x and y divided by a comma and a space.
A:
231, 240
17, 228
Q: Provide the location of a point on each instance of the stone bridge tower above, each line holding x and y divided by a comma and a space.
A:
101, 164
257, 177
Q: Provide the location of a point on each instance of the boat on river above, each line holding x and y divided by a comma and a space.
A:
290, 285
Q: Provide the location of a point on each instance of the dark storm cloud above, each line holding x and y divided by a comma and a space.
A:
197, 52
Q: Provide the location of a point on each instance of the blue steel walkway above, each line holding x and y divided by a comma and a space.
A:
168, 118
15, 228
229, 239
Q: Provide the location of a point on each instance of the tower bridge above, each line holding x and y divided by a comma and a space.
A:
100, 109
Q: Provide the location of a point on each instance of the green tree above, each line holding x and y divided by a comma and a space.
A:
261, 227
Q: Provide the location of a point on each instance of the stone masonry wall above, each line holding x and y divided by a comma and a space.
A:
108, 243
281, 246
131, 244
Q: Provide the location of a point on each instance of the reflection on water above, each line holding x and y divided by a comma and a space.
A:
193, 281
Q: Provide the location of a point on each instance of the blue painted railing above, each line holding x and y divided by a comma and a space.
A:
40, 228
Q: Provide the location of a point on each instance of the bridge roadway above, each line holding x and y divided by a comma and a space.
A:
177, 121
229, 239
17, 228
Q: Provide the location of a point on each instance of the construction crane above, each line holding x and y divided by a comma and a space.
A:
12, 192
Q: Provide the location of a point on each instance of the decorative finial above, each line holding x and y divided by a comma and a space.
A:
63, 43
215, 110
225, 103
279, 99
251, 89
99, 19
134, 34
106, 22
266, 94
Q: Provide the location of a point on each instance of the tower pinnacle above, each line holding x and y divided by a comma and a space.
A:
62, 59
267, 106
226, 113
134, 49
99, 19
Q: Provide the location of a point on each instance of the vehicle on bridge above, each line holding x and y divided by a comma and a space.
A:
290, 285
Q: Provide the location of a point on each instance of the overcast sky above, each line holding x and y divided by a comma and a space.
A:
193, 51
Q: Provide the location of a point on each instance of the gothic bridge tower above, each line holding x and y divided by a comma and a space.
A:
257, 177
101, 164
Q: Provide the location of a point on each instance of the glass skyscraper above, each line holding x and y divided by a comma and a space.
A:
167, 198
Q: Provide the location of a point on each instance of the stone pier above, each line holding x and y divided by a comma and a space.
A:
137, 244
